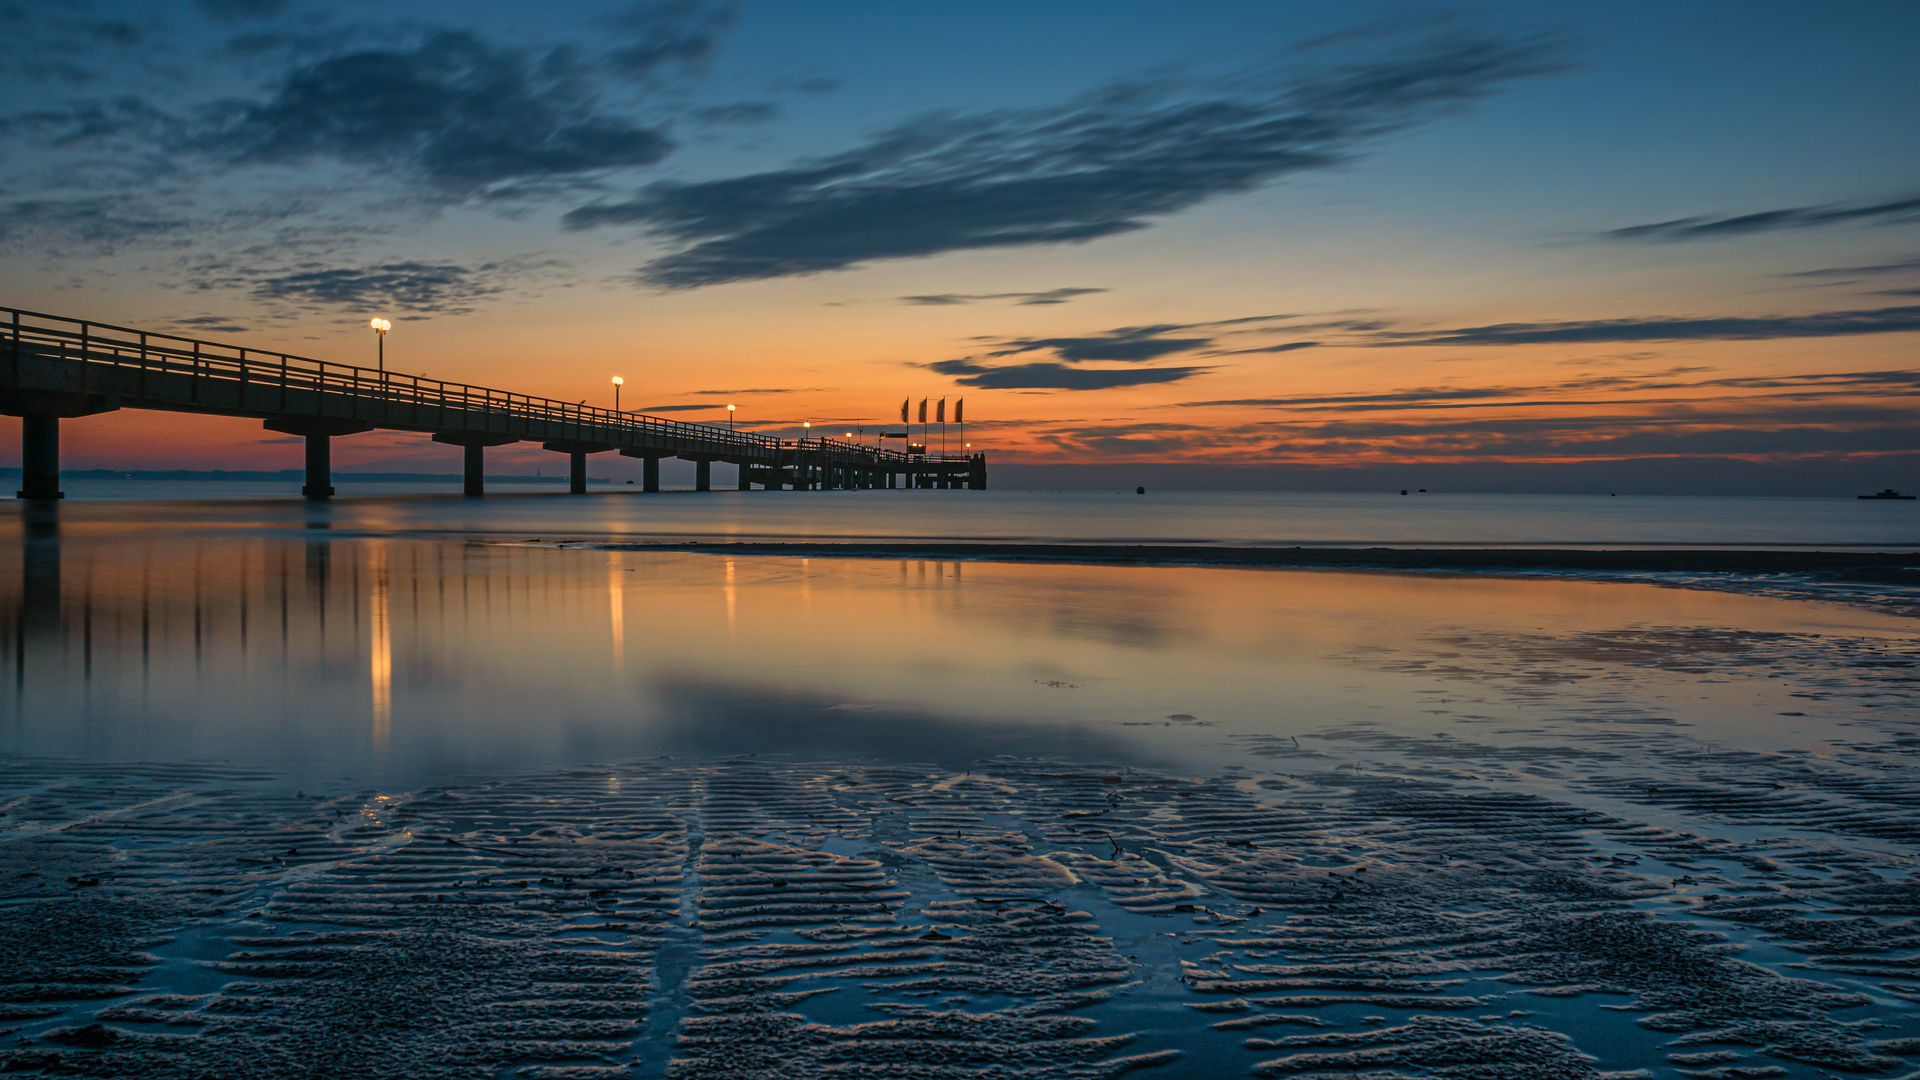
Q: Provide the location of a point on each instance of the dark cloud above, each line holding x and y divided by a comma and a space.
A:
1025, 299
1050, 376
1122, 345
758, 390
1096, 167
1895, 212
453, 113
1891, 320
219, 324
240, 10
399, 287
1128, 345
1288, 346
653, 36
91, 121
676, 408
101, 224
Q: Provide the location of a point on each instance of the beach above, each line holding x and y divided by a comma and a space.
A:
418, 793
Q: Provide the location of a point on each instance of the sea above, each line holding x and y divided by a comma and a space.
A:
548, 785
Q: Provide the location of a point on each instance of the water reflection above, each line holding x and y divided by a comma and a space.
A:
380, 639
418, 657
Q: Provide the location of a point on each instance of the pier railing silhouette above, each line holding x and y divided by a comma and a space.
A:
57, 367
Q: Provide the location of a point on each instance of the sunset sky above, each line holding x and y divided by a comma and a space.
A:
1248, 233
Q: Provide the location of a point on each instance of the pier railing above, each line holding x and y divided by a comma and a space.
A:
220, 377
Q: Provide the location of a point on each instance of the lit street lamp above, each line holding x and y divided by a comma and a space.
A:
380, 327
618, 382
729, 421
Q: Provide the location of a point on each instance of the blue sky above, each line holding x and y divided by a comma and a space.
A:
1249, 232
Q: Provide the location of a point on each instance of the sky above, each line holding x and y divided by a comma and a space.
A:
1319, 236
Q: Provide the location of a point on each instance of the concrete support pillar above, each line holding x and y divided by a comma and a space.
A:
476, 469
650, 474
745, 483
40, 457
703, 475
577, 478
319, 467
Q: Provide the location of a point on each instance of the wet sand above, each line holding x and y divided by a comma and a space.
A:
1275, 824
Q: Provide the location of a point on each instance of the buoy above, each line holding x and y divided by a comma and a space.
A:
1139, 491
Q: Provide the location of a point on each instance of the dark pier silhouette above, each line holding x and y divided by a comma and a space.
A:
56, 367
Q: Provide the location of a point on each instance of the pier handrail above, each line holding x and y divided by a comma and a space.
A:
123, 346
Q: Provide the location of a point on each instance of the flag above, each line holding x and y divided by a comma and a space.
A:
941, 409
923, 410
959, 410
903, 409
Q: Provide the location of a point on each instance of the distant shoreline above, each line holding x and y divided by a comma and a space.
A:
1889, 567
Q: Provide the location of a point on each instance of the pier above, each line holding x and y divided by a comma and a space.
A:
56, 368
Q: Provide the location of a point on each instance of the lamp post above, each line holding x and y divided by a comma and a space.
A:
380, 327
729, 421
618, 382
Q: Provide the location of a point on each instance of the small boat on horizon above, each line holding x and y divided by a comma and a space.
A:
1886, 493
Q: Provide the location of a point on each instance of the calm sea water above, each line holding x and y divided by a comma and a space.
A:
1225, 518
405, 635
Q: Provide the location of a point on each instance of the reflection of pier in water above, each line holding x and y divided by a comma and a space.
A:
318, 615
136, 641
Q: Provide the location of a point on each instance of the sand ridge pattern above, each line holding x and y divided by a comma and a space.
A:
1026, 918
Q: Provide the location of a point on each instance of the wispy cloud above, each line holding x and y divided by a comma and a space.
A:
1798, 387
1889, 320
98, 223
1892, 212
1904, 266
1102, 165
1025, 299
217, 324
652, 36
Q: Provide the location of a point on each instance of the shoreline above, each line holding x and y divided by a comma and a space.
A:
1887, 567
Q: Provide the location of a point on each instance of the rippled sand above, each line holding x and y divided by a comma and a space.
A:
1675, 908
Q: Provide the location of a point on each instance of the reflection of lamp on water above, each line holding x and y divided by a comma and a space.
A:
380, 658
618, 382
380, 327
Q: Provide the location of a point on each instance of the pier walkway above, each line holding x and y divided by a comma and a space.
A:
53, 367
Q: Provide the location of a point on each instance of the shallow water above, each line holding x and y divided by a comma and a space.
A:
506, 809
1238, 518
